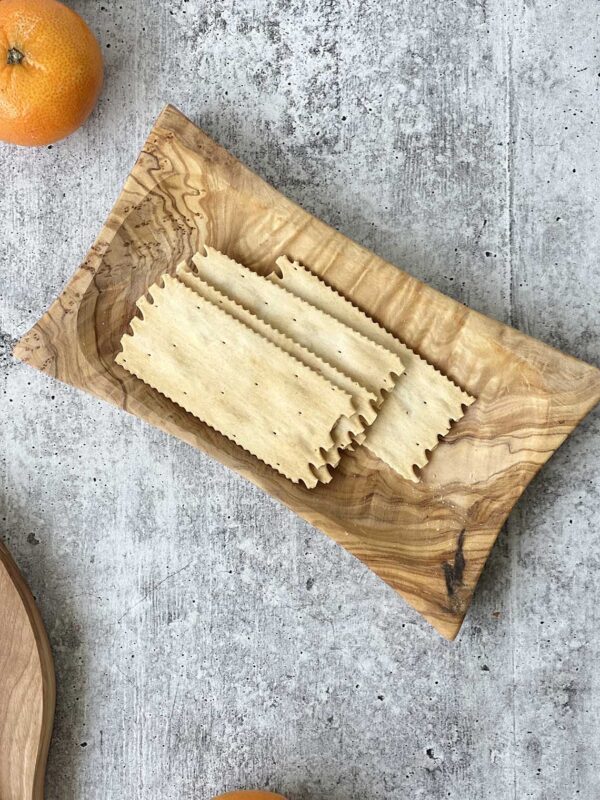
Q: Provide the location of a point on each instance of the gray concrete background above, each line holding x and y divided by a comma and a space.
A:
205, 638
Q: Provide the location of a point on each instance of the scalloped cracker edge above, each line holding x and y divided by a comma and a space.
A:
424, 402
234, 380
367, 363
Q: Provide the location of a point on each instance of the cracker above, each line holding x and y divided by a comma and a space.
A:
423, 403
346, 429
364, 402
363, 360
234, 380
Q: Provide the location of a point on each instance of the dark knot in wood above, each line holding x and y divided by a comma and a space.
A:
453, 573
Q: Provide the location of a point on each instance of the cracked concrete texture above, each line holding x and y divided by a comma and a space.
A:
205, 638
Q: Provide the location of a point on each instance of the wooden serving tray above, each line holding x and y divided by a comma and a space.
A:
428, 540
27, 688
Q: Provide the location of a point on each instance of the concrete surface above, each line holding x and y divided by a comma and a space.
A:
206, 639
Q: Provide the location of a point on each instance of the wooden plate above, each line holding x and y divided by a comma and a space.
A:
27, 688
428, 540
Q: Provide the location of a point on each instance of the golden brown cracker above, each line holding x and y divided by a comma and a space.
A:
363, 360
234, 380
423, 403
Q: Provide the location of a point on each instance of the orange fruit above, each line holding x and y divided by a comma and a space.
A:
249, 795
50, 71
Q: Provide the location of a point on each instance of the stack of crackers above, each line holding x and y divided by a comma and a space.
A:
287, 368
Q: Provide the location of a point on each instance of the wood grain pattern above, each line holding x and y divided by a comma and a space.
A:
27, 689
428, 540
